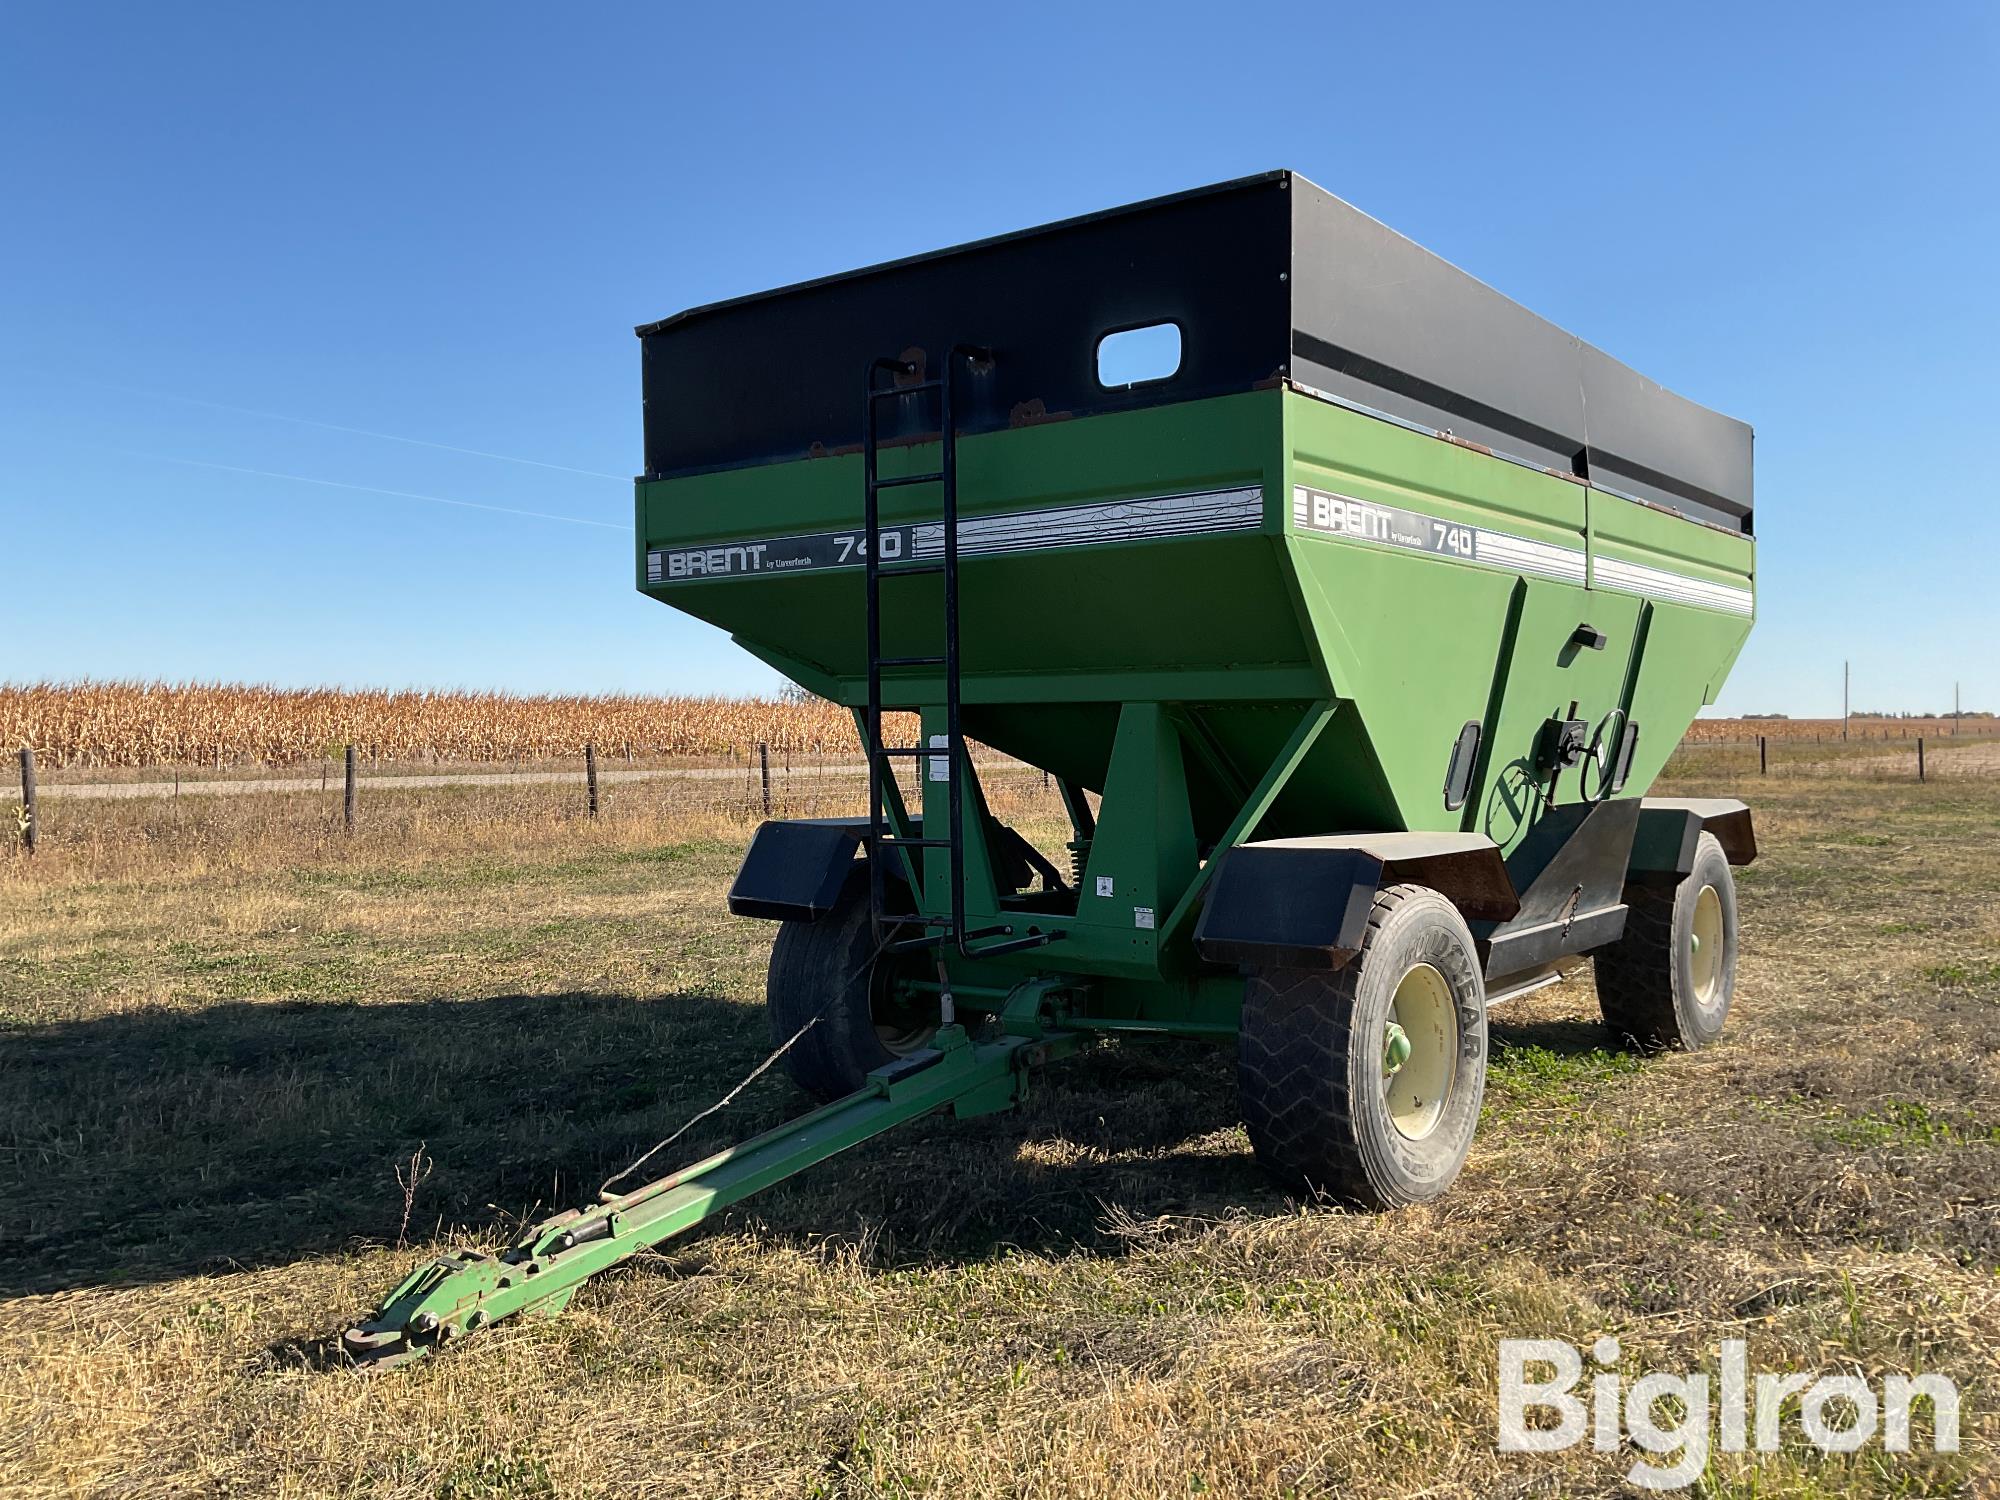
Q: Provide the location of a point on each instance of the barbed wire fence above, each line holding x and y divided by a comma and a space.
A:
765, 780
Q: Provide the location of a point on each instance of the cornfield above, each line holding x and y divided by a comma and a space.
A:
136, 724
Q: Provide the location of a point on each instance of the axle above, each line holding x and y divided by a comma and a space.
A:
462, 1292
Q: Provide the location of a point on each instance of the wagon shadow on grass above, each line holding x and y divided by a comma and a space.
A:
161, 1143
1564, 1037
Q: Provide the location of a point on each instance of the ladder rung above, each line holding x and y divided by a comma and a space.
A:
912, 919
914, 389
909, 661
886, 842
912, 750
911, 945
900, 479
904, 570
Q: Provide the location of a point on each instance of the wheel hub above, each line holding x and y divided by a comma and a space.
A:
1395, 1050
1419, 1051
904, 1018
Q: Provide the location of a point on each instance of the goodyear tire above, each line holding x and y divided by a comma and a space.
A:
1333, 1100
1668, 981
828, 969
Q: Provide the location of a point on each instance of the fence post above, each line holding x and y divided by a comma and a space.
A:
1920, 757
590, 775
30, 826
1763, 757
764, 761
349, 804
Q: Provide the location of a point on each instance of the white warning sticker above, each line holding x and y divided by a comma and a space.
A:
940, 764
1142, 916
1104, 885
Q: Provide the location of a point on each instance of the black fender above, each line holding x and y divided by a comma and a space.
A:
1670, 827
797, 868
1304, 903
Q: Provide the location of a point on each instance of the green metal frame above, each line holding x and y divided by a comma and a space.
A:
1141, 886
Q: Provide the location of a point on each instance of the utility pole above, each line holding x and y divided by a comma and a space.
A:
1843, 698
1954, 710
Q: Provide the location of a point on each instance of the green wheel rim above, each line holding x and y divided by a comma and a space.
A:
1705, 944
1422, 1028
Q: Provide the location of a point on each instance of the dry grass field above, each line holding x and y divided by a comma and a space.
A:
224, 1027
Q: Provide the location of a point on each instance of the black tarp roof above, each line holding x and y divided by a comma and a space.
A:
1268, 278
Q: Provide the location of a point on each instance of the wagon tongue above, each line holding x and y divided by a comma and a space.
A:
369, 1346
456, 1294
462, 1292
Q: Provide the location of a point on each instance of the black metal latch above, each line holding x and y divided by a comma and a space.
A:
1563, 743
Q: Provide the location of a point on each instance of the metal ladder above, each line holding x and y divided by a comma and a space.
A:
883, 841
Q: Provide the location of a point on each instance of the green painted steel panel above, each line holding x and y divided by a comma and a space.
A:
1081, 611
1414, 635
1312, 593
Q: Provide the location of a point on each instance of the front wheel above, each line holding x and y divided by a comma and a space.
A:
827, 981
1364, 1083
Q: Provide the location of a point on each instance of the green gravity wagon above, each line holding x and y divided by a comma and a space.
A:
1350, 607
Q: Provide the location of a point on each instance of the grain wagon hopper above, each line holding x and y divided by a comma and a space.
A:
1352, 631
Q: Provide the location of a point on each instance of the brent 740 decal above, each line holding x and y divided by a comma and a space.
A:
1365, 521
825, 549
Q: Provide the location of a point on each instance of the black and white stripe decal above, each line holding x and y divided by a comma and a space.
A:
1207, 512
1117, 521
1332, 514
1676, 588
1365, 521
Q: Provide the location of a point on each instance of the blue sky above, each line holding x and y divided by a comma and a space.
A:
440, 223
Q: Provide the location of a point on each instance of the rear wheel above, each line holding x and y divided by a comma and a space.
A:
1364, 1083
1668, 981
827, 973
